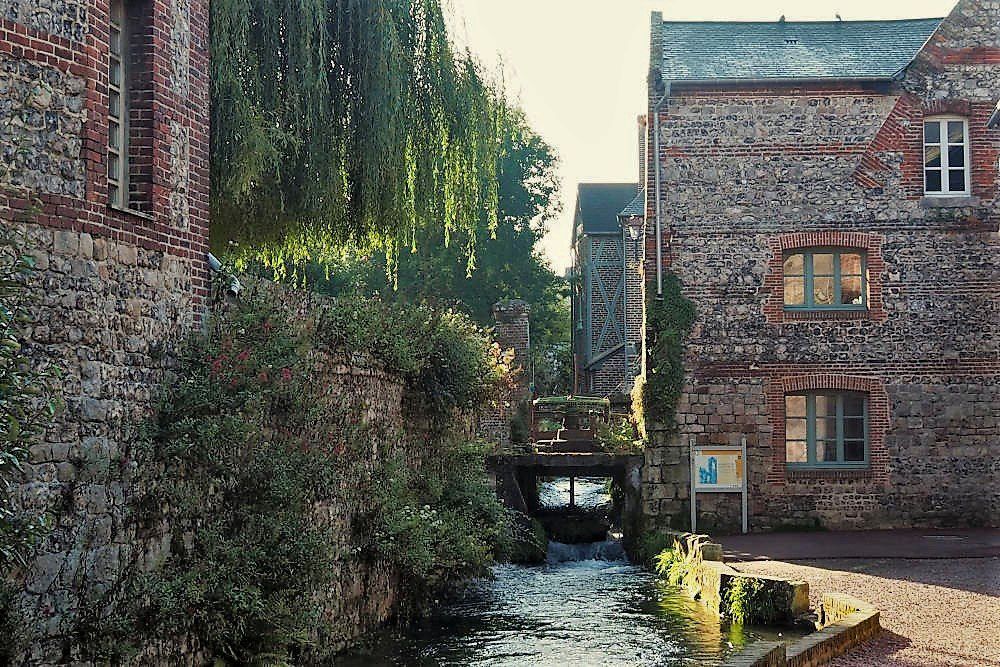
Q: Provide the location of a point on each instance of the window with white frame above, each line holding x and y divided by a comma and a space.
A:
946, 156
117, 112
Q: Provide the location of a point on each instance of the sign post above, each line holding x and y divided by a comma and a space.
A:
718, 469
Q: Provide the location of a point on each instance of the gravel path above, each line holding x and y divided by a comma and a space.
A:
936, 613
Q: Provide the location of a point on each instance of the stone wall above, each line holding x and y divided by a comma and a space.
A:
116, 288
751, 171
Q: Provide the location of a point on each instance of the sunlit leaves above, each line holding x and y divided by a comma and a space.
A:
346, 121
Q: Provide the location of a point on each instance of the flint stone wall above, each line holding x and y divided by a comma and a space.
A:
747, 167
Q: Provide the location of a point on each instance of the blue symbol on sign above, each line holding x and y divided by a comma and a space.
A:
711, 474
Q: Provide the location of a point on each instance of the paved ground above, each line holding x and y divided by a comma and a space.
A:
938, 592
863, 544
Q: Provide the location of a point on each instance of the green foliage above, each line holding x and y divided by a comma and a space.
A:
528, 543
749, 602
27, 403
669, 320
245, 447
440, 524
674, 564
242, 450
618, 435
508, 265
649, 545
445, 358
347, 121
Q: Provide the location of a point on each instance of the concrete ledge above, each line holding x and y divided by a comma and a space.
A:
848, 623
958, 201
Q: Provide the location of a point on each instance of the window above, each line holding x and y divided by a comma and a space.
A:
825, 279
946, 156
117, 112
826, 429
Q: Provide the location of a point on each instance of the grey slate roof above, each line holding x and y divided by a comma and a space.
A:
598, 204
635, 208
701, 51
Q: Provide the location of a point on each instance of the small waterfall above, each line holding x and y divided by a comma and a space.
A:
608, 550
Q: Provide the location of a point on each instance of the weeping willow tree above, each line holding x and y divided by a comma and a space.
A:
341, 123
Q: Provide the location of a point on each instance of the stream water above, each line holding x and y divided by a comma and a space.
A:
586, 606
568, 612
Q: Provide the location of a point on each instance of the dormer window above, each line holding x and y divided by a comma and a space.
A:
946, 156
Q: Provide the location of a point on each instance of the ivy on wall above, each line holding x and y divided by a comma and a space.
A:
668, 322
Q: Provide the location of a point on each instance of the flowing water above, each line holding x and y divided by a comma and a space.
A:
586, 606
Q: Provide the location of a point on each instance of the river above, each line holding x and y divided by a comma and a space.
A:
567, 612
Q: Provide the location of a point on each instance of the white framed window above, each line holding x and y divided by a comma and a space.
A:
117, 108
946, 156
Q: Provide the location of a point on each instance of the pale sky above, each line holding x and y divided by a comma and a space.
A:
578, 68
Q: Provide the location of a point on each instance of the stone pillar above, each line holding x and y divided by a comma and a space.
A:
513, 332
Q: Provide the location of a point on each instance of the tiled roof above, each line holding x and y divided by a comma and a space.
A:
701, 51
598, 204
635, 208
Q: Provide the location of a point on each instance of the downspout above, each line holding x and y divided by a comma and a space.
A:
656, 181
624, 305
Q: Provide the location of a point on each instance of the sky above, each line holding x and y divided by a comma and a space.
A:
578, 69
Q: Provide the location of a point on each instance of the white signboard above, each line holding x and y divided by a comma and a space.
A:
718, 469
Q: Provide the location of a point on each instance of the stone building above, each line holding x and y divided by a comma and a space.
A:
104, 175
826, 193
607, 288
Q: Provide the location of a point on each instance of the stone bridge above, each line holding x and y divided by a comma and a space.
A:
517, 484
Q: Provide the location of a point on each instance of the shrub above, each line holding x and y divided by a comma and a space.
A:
244, 449
440, 524
618, 435
649, 545
749, 602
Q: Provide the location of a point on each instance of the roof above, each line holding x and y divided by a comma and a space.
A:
598, 204
635, 208
994, 120
704, 51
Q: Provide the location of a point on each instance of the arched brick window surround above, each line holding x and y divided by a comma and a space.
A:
774, 285
878, 424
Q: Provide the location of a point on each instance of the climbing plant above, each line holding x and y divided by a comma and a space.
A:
338, 121
27, 402
669, 321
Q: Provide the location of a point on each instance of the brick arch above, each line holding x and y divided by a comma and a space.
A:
878, 425
774, 285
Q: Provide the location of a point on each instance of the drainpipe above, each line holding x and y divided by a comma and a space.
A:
656, 181
624, 304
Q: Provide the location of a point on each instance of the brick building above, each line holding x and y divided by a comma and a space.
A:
104, 173
607, 288
826, 193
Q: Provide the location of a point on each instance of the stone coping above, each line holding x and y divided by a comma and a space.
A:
847, 622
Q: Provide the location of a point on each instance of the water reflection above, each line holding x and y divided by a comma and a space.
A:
568, 613
588, 492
